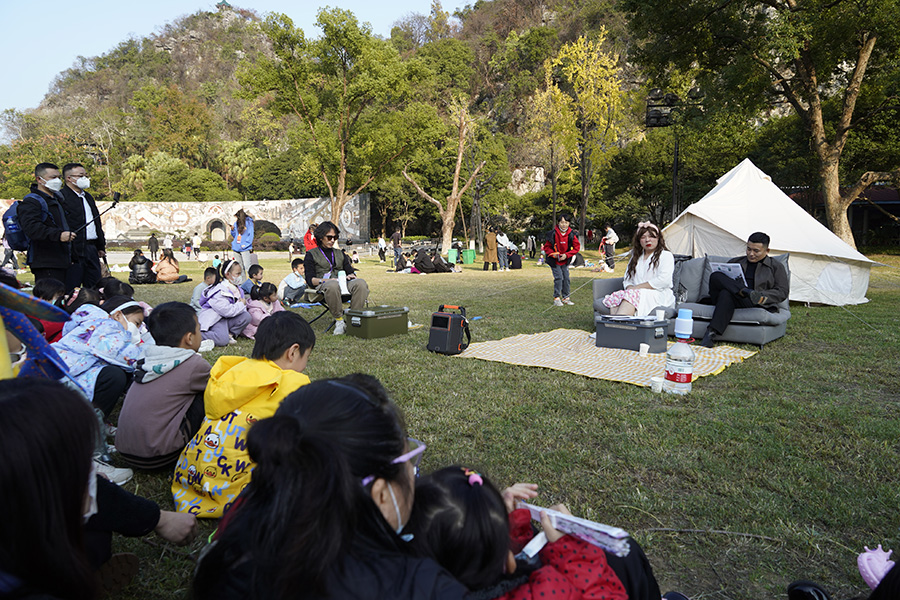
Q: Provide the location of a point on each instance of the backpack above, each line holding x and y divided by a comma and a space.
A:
15, 235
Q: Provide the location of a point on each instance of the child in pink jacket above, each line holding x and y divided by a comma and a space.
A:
263, 302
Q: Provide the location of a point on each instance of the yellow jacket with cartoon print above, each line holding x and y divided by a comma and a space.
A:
215, 466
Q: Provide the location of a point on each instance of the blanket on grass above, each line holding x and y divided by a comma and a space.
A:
574, 351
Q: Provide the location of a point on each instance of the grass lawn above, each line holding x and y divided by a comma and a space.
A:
780, 468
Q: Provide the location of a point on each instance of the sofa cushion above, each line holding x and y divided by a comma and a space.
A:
688, 278
744, 316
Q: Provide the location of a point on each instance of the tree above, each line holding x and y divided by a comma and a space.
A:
551, 129
806, 52
349, 91
590, 76
447, 211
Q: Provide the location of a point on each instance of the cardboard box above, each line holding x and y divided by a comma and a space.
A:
377, 321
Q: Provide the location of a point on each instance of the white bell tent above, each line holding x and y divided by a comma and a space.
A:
824, 269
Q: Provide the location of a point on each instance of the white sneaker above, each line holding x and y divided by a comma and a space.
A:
568, 302
231, 340
557, 302
339, 327
207, 345
114, 474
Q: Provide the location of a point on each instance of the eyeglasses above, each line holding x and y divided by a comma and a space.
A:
416, 449
331, 237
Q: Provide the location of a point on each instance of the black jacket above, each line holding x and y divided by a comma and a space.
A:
46, 252
141, 270
75, 216
771, 280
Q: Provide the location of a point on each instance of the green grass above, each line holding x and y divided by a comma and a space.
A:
796, 447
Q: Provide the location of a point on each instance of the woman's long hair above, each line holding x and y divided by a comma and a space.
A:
306, 504
637, 251
240, 220
169, 256
46, 439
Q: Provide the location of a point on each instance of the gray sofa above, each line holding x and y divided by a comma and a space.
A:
691, 283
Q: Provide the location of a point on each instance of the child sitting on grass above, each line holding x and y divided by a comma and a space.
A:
210, 278
254, 279
224, 313
292, 287
163, 408
461, 521
215, 465
263, 303
51, 290
102, 348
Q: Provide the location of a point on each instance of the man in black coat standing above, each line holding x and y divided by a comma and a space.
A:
43, 220
82, 215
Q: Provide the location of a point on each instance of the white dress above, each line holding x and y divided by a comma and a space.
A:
659, 277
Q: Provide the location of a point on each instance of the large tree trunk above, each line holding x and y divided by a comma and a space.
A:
835, 205
448, 220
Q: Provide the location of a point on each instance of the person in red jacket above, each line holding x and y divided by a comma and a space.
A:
461, 521
309, 240
560, 246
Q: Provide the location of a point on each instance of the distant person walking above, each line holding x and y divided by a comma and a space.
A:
168, 242
531, 246
382, 248
153, 246
397, 241
195, 245
609, 245
242, 239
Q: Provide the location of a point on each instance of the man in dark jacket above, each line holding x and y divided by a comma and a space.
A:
49, 255
82, 215
767, 284
153, 246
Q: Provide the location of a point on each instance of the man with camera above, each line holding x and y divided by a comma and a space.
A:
84, 218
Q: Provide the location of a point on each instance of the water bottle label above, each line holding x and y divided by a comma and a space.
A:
679, 374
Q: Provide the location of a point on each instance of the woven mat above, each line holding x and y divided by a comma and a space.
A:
574, 351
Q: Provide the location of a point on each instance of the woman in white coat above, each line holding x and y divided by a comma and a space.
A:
648, 278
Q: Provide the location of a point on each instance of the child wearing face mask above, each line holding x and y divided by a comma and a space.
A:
102, 348
224, 313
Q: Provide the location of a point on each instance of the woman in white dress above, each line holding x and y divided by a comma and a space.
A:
648, 278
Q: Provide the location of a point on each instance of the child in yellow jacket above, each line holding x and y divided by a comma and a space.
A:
215, 465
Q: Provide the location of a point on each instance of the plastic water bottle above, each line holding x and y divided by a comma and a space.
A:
680, 357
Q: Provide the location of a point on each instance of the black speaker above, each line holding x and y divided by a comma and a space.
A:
447, 331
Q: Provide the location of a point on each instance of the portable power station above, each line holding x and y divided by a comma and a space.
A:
448, 329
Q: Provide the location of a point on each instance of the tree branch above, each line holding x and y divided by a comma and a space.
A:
471, 178
422, 192
867, 179
851, 94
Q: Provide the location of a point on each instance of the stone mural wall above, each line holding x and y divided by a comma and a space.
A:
213, 220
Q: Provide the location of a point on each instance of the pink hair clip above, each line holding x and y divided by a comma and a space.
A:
474, 476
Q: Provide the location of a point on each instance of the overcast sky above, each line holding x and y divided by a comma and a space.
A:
38, 40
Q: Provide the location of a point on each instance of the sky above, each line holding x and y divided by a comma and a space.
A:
38, 41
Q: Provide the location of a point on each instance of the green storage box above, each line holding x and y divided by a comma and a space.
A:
377, 321
452, 255
468, 257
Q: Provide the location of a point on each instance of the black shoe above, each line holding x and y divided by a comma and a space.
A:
806, 590
709, 338
745, 292
675, 596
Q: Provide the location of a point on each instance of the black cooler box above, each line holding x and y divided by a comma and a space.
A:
631, 333
377, 321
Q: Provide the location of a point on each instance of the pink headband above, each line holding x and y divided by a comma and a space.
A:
648, 224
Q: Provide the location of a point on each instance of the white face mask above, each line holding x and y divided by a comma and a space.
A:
406, 537
90, 502
135, 332
54, 184
236, 279
83, 182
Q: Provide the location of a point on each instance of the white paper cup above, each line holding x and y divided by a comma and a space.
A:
644, 349
660, 315
656, 384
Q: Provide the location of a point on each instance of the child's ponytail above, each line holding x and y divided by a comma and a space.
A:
310, 523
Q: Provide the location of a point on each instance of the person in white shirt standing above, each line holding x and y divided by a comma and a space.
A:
609, 247
195, 244
83, 218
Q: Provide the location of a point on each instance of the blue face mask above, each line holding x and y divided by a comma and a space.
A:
406, 537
